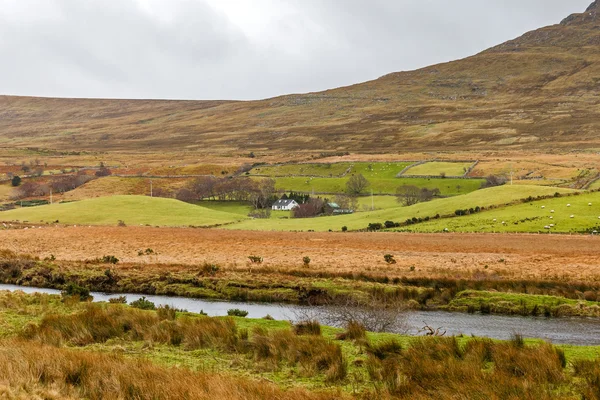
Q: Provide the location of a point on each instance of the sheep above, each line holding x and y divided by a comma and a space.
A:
572, 216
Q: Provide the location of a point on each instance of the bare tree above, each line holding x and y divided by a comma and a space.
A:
262, 193
311, 208
357, 184
407, 195
346, 202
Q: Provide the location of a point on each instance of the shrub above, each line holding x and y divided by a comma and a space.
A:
143, 304
389, 258
236, 312
210, 269
15, 181
255, 259
344, 228
375, 226
121, 223
118, 300
73, 289
306, 261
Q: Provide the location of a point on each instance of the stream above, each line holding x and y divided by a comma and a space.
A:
567, 330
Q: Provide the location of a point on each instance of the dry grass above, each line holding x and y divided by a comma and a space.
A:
30, 370
523, 256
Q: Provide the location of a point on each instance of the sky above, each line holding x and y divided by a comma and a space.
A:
244, 49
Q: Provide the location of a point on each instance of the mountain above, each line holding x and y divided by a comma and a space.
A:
537, 92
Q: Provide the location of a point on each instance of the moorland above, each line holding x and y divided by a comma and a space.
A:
471, 186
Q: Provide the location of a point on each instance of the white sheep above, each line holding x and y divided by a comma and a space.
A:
572, 216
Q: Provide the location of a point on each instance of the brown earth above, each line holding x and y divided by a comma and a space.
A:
436, 255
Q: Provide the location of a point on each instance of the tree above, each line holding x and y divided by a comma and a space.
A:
407, 195
103, 170
356, 184
15, 181
262, 193
493, 180
311, 208
346, 202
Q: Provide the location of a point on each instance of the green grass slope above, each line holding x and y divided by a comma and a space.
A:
133, 210
483, 198
527, 217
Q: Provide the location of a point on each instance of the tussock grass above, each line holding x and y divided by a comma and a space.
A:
30, 369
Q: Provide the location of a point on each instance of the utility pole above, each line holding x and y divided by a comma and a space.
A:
372, 201
50, 196
151, 188
511, 174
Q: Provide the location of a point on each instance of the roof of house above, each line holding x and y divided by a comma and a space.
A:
284, 203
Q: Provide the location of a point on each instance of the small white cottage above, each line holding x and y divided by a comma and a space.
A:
284, 205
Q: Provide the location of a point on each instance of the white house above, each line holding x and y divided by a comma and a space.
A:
284, 205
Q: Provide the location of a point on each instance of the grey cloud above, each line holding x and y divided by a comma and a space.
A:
116, 48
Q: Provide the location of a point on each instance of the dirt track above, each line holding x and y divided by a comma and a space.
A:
517, 256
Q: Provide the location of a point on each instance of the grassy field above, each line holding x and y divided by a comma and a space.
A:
482, 198
527, 217
135, 210
131, 349
438, 168
371, 170
321, 170
447, 187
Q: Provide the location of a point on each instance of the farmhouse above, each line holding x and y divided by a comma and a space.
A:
335, 209
285, 205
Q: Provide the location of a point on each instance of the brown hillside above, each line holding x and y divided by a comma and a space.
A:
539, 91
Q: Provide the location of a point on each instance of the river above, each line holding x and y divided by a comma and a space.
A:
567, 330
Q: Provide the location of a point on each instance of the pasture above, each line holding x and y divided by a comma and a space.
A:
483, 198
447, 187
439, 168
135, 210
535, 216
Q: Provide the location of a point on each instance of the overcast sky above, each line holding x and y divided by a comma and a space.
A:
243, 49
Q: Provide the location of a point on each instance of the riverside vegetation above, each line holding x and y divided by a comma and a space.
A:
479, 292
56, 348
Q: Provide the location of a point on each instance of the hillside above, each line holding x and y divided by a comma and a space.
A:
133, 210
537, 92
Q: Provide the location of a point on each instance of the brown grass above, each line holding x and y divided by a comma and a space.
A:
30, 370
523, 256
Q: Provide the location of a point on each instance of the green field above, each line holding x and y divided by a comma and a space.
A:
447, 187
322, 170
380, 170
133, 210
438, 168
595, 185
482, 198
526, 217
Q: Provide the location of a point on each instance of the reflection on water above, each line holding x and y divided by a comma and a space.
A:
576, 330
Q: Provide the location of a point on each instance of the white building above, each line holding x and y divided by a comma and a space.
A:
284, 205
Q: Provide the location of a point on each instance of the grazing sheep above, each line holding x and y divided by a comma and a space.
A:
572, 216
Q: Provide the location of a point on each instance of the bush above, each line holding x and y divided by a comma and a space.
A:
389, 259
118, 300
306, 261
166, 313
15, 181
210, 269
73, 289
109, 260
344, 228
255, 259
143, 304
375, 226
236, 312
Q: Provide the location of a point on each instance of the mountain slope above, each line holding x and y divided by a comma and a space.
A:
539, 91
